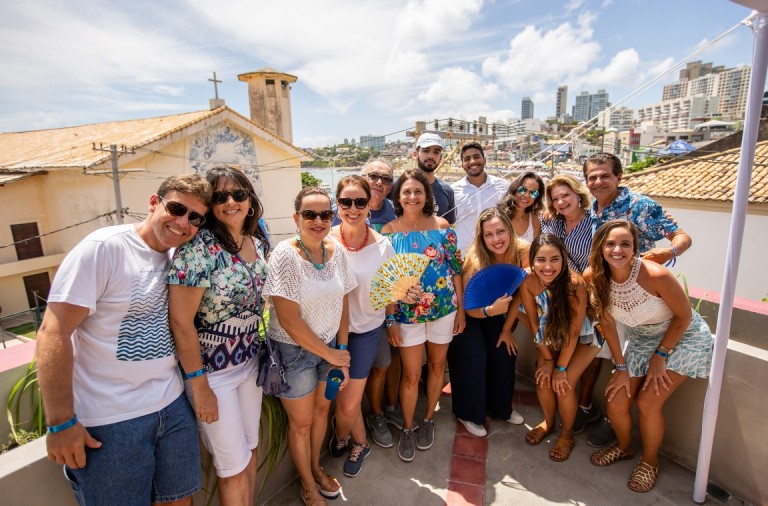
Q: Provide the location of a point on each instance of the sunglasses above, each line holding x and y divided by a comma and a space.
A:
310, 215
346, 203
178, 210
522, 190
379, 177
237, 196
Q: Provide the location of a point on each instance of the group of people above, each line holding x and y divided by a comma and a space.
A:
151, 337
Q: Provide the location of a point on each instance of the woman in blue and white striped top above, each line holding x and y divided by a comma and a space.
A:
568, 204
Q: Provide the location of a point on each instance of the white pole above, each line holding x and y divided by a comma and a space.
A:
746, 160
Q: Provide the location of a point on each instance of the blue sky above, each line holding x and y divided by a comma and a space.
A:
364, 67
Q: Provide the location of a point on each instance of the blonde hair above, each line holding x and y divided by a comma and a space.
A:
478, 255
576, 186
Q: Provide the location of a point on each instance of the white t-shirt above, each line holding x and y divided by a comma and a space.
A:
124, 357
319, 293
364, 263
470, 202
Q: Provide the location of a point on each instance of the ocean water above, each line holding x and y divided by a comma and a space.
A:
329, 177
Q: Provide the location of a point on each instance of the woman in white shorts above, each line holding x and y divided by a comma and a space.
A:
436, 317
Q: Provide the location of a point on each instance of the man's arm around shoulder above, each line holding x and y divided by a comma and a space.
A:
54, 371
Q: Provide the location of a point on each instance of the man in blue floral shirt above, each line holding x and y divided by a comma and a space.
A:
602, 173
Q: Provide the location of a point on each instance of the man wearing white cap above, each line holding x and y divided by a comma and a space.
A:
428, 153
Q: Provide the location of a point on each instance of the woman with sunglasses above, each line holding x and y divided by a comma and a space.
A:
309, 283
215, 307
379, 175
436, 317
522, 203
366, 250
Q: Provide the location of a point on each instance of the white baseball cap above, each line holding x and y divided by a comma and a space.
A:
428, 139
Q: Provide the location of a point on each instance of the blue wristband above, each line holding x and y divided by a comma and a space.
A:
661, 353
62, 426
561, 368
485, 312
195, 374
341, 347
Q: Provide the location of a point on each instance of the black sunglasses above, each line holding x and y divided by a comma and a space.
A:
346, 203
178, 210
376, 177
311, 215
237, 196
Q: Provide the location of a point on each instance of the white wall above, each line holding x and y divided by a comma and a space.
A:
709, 226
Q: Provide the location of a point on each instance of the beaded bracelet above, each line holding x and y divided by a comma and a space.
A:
561, 368
621, 367
195, 374
672, 261
62, 426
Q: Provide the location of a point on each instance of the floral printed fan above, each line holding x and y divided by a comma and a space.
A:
490, 283
393, 279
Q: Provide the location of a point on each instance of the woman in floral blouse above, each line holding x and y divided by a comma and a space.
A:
437, 316
215, 307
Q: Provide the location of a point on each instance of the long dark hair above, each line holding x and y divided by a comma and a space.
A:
508, 203
429, 203
250, 226
600, 284
561, 289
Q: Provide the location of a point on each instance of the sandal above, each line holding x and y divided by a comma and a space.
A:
608, 456
643, 477
537, 434
562, 448
329, 486
310, 498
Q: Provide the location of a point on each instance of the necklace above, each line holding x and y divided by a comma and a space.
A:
344, 242
411, 224
320, 266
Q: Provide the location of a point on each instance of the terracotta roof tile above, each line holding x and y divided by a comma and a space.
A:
710, 177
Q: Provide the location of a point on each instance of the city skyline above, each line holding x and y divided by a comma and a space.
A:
363, 68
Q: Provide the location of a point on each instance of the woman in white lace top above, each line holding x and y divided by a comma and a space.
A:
667, 342
308, 282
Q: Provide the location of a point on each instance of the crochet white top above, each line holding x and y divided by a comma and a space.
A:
632, 305
319, 293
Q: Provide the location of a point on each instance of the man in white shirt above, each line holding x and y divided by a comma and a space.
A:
474, 193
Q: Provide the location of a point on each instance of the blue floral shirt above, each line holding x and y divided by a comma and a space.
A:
644, 212
228, 318
438, 298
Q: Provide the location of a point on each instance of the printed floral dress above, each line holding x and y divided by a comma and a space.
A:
438, 298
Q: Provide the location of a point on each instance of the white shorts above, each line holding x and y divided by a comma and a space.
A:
438, 331
231, 439
605, 351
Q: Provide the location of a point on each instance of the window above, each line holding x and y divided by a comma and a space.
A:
26, 237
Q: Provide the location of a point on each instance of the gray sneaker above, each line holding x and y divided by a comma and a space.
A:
584, 418
426, 437
405, 449
379, 430
395, 418
602, 435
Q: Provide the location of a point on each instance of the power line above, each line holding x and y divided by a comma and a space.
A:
62, 229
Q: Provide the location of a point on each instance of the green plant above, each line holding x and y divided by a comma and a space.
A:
685, 289
308, 180
26, 387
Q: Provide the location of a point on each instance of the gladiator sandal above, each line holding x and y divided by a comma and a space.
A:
608, 456
643, 478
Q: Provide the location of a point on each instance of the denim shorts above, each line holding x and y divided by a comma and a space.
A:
303, 370
152, 458
363, 349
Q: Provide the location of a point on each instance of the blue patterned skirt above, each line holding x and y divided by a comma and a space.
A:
692, 356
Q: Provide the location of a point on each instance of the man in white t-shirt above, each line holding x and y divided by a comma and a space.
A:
474, 193
114, 399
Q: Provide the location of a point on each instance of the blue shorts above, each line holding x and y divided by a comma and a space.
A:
363, 349
152, 458
303, 369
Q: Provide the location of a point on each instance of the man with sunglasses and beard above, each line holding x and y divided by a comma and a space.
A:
117, 416
428, 154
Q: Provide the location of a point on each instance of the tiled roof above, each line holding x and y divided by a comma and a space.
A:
709, 177
72, 147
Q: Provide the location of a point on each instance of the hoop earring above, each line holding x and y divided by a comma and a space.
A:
370, 214
251, 211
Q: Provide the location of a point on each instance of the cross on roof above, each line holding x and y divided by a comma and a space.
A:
215, 85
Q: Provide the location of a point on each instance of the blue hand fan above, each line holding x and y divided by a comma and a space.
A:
490, 283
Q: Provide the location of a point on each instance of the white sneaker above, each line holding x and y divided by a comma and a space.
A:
473, 428
516, 418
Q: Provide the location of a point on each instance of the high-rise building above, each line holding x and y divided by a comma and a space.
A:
588, 106
526, 110
696, 69
561, 104
372, 141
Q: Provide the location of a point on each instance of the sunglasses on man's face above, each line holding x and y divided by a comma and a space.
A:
522, 190
346, 203
221, 197
178, 210
375, 178
310, 215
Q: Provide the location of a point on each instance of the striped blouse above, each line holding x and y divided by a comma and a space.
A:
578, 242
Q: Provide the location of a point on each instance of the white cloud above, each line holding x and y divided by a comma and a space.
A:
573, 5
622, 70
460, 91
